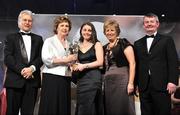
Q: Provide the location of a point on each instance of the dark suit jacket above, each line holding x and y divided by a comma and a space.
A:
161, 60
14, 61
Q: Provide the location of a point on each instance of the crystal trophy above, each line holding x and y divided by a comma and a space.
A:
73, 48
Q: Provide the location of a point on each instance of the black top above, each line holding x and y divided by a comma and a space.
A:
85, 57
117, 57
88, 56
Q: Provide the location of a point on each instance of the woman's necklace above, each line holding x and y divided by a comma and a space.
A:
85, 46
64, 43
112, 45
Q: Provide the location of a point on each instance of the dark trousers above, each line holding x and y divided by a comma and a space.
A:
22, 99
155, 102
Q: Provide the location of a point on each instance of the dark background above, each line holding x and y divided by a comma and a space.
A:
171, 8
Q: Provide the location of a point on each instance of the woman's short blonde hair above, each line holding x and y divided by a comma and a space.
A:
112, 23
61, 19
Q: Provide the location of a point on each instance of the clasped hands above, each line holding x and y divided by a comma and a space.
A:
72, 57
27, 72
78, 67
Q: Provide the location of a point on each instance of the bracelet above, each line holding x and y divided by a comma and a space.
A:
131, 83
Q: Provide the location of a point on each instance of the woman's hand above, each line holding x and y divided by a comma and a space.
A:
74, 67
79, 67
72, 57
130, 88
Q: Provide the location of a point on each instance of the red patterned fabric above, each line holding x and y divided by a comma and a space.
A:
3, 103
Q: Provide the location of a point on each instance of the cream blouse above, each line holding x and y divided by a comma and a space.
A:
52, 47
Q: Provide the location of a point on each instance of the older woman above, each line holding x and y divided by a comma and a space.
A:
55, 93
120, 72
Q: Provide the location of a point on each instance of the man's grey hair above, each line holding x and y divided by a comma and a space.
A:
28, 12
152, 15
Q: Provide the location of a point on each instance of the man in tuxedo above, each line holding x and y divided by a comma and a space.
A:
157, 68
22, 57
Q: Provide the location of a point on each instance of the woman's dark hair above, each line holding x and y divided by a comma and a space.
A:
93, 38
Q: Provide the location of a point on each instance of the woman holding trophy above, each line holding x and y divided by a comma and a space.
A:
55, 91
89, 79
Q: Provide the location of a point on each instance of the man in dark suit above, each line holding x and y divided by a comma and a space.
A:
22, 57
157, 68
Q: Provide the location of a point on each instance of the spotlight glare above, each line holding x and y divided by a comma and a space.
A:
163, 15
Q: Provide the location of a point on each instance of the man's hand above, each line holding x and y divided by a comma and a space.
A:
171, 88
27, 72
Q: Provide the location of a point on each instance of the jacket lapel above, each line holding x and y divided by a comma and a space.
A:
144, 45
23, 49
32, 47
155, 41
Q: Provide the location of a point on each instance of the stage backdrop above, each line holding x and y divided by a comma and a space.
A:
131, 26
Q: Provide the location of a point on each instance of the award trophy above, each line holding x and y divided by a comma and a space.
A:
73, 48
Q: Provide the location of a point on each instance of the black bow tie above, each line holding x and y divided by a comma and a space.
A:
149, 36
23, 33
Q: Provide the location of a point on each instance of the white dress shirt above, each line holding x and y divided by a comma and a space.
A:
149, 41
27, 43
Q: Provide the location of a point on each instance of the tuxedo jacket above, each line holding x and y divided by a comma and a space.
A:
14, 60
161, 61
